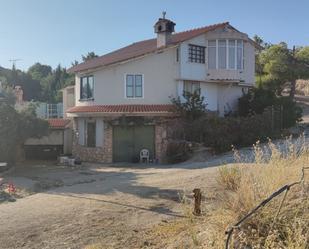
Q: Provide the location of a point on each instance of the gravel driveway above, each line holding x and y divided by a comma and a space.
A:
111, 205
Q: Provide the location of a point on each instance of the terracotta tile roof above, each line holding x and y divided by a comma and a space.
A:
58, 123
122, 109
141, 48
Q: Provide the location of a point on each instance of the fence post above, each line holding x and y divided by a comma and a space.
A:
272, 118
197, 201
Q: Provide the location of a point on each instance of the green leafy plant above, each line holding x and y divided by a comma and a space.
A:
191, 107
15, 128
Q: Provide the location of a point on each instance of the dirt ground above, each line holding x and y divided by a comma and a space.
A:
113, 205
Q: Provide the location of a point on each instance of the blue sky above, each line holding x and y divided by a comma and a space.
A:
59, 31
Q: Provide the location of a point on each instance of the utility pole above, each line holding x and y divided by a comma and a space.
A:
14, 62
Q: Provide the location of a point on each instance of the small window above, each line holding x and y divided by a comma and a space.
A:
91, 133
86, 87
134, 86
196, 53
177, 54
192, 87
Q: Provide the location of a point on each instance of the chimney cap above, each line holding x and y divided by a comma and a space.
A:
164, 25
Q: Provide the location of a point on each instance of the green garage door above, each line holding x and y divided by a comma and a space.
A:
129, 140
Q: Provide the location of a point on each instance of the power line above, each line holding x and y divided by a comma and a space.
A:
14, 61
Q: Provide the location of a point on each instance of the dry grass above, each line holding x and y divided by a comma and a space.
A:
248, 185
242, 187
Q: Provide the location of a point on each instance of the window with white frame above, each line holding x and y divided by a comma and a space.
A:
134, 86
222, 54
225, 54
212, 54
191, 87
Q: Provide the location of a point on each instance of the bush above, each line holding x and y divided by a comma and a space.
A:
221, 133
257, 100
192, 108
291, 113
15, 128
178, 151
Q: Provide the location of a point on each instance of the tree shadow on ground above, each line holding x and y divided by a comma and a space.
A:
109, 187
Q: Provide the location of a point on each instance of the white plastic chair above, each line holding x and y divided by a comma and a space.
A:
144, 155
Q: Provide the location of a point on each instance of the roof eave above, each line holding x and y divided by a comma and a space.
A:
118, 114
97, 68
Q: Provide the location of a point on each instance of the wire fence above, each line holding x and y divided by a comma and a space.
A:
284, 189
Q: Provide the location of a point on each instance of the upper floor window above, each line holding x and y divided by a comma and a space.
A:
225, 54
196, 53
86, 87
191, 87
134, 86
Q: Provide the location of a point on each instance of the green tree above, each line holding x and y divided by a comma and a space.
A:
192, 107
281, 65
39, 71
15, 128
74, 63
89, 56
53, 83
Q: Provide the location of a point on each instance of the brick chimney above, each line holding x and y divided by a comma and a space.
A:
164, 29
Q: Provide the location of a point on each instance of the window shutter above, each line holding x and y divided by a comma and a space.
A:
81, 131
99, 132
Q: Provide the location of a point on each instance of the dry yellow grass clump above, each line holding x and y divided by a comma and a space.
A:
245, 186
240, 188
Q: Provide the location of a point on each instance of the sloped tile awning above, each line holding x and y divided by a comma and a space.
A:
58, 123
110, 110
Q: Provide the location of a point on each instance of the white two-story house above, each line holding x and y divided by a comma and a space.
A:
123, 98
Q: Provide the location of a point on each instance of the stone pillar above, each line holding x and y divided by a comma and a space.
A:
161, 141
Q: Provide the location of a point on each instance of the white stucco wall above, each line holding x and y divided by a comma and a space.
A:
228, 96
159, 71
68, 98
55, 137
210, 93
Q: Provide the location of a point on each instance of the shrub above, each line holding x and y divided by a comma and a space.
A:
192, 107
229, 177
178, 151
15, 128
291, 113
221, 133
257, 100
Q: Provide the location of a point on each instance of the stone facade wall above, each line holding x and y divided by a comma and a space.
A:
98, 154
161, 141
105, 154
